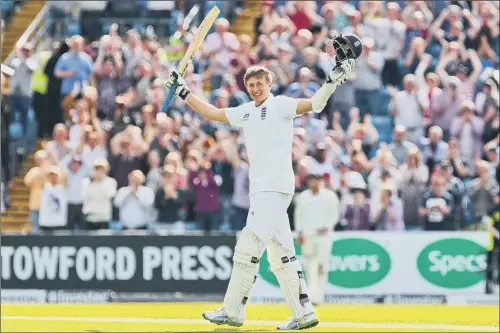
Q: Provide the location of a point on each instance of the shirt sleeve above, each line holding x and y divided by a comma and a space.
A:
235, 115
287, 106
61, 64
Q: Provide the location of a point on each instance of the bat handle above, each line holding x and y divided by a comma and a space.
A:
169, 98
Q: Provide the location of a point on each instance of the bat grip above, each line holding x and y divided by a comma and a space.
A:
169, 98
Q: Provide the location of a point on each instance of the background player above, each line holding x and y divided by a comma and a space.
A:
317, 211
267, 124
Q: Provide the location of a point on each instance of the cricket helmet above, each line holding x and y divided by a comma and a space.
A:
347, 46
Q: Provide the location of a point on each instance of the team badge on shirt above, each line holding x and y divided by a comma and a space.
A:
246, 116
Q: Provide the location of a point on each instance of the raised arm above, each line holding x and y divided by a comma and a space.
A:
206, 110
340, 74
199, 105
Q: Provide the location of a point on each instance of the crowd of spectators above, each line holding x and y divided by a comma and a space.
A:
409, 143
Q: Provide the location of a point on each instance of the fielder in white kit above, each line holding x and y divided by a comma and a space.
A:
317, 212
267, 124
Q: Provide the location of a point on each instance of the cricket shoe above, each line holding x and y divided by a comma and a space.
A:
220, 317
308, 321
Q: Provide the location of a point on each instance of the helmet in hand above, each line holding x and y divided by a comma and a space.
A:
347, 46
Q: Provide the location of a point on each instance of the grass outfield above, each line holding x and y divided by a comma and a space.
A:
185, 317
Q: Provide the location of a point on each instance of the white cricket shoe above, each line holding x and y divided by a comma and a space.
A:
220, 317
308, 321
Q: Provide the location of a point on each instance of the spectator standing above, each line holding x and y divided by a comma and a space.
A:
54, 203
433, 148
206, 195
368, 80
482, 191
108, 74
98, 192
55, 114
219, 46
73, 67
389, 217
391, 34
242, 59
135, 202
153, 178
415, 177
437, 207
24, 63
446, 106
317, 212
76, 172
59, 146
357, 213
169, 201
408, 108
93, 148
468, 129
127, 154
240, 201
35, 180
400, 146
456, 188
453, 60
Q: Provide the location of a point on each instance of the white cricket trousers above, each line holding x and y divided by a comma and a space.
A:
267, 218
316, 253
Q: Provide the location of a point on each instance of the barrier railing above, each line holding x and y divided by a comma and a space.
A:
33, 33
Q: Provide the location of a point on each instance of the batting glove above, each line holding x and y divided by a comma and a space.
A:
341, 72
175, 77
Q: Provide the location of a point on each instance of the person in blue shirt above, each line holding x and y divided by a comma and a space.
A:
73, 67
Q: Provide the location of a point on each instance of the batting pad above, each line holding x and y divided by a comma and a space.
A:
290, 276
246, 259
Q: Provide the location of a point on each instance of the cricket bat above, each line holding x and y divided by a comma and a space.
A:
199, 36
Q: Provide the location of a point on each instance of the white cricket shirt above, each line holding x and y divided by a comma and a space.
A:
268, 134
316, 211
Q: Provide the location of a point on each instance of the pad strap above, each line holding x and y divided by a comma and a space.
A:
246, 259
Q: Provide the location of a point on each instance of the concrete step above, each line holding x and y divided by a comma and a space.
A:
16, 227
11, 212
14, 219
19, 195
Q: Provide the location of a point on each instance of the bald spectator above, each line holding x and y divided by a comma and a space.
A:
135, 202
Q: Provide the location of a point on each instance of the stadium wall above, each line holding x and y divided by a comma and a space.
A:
365, 267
